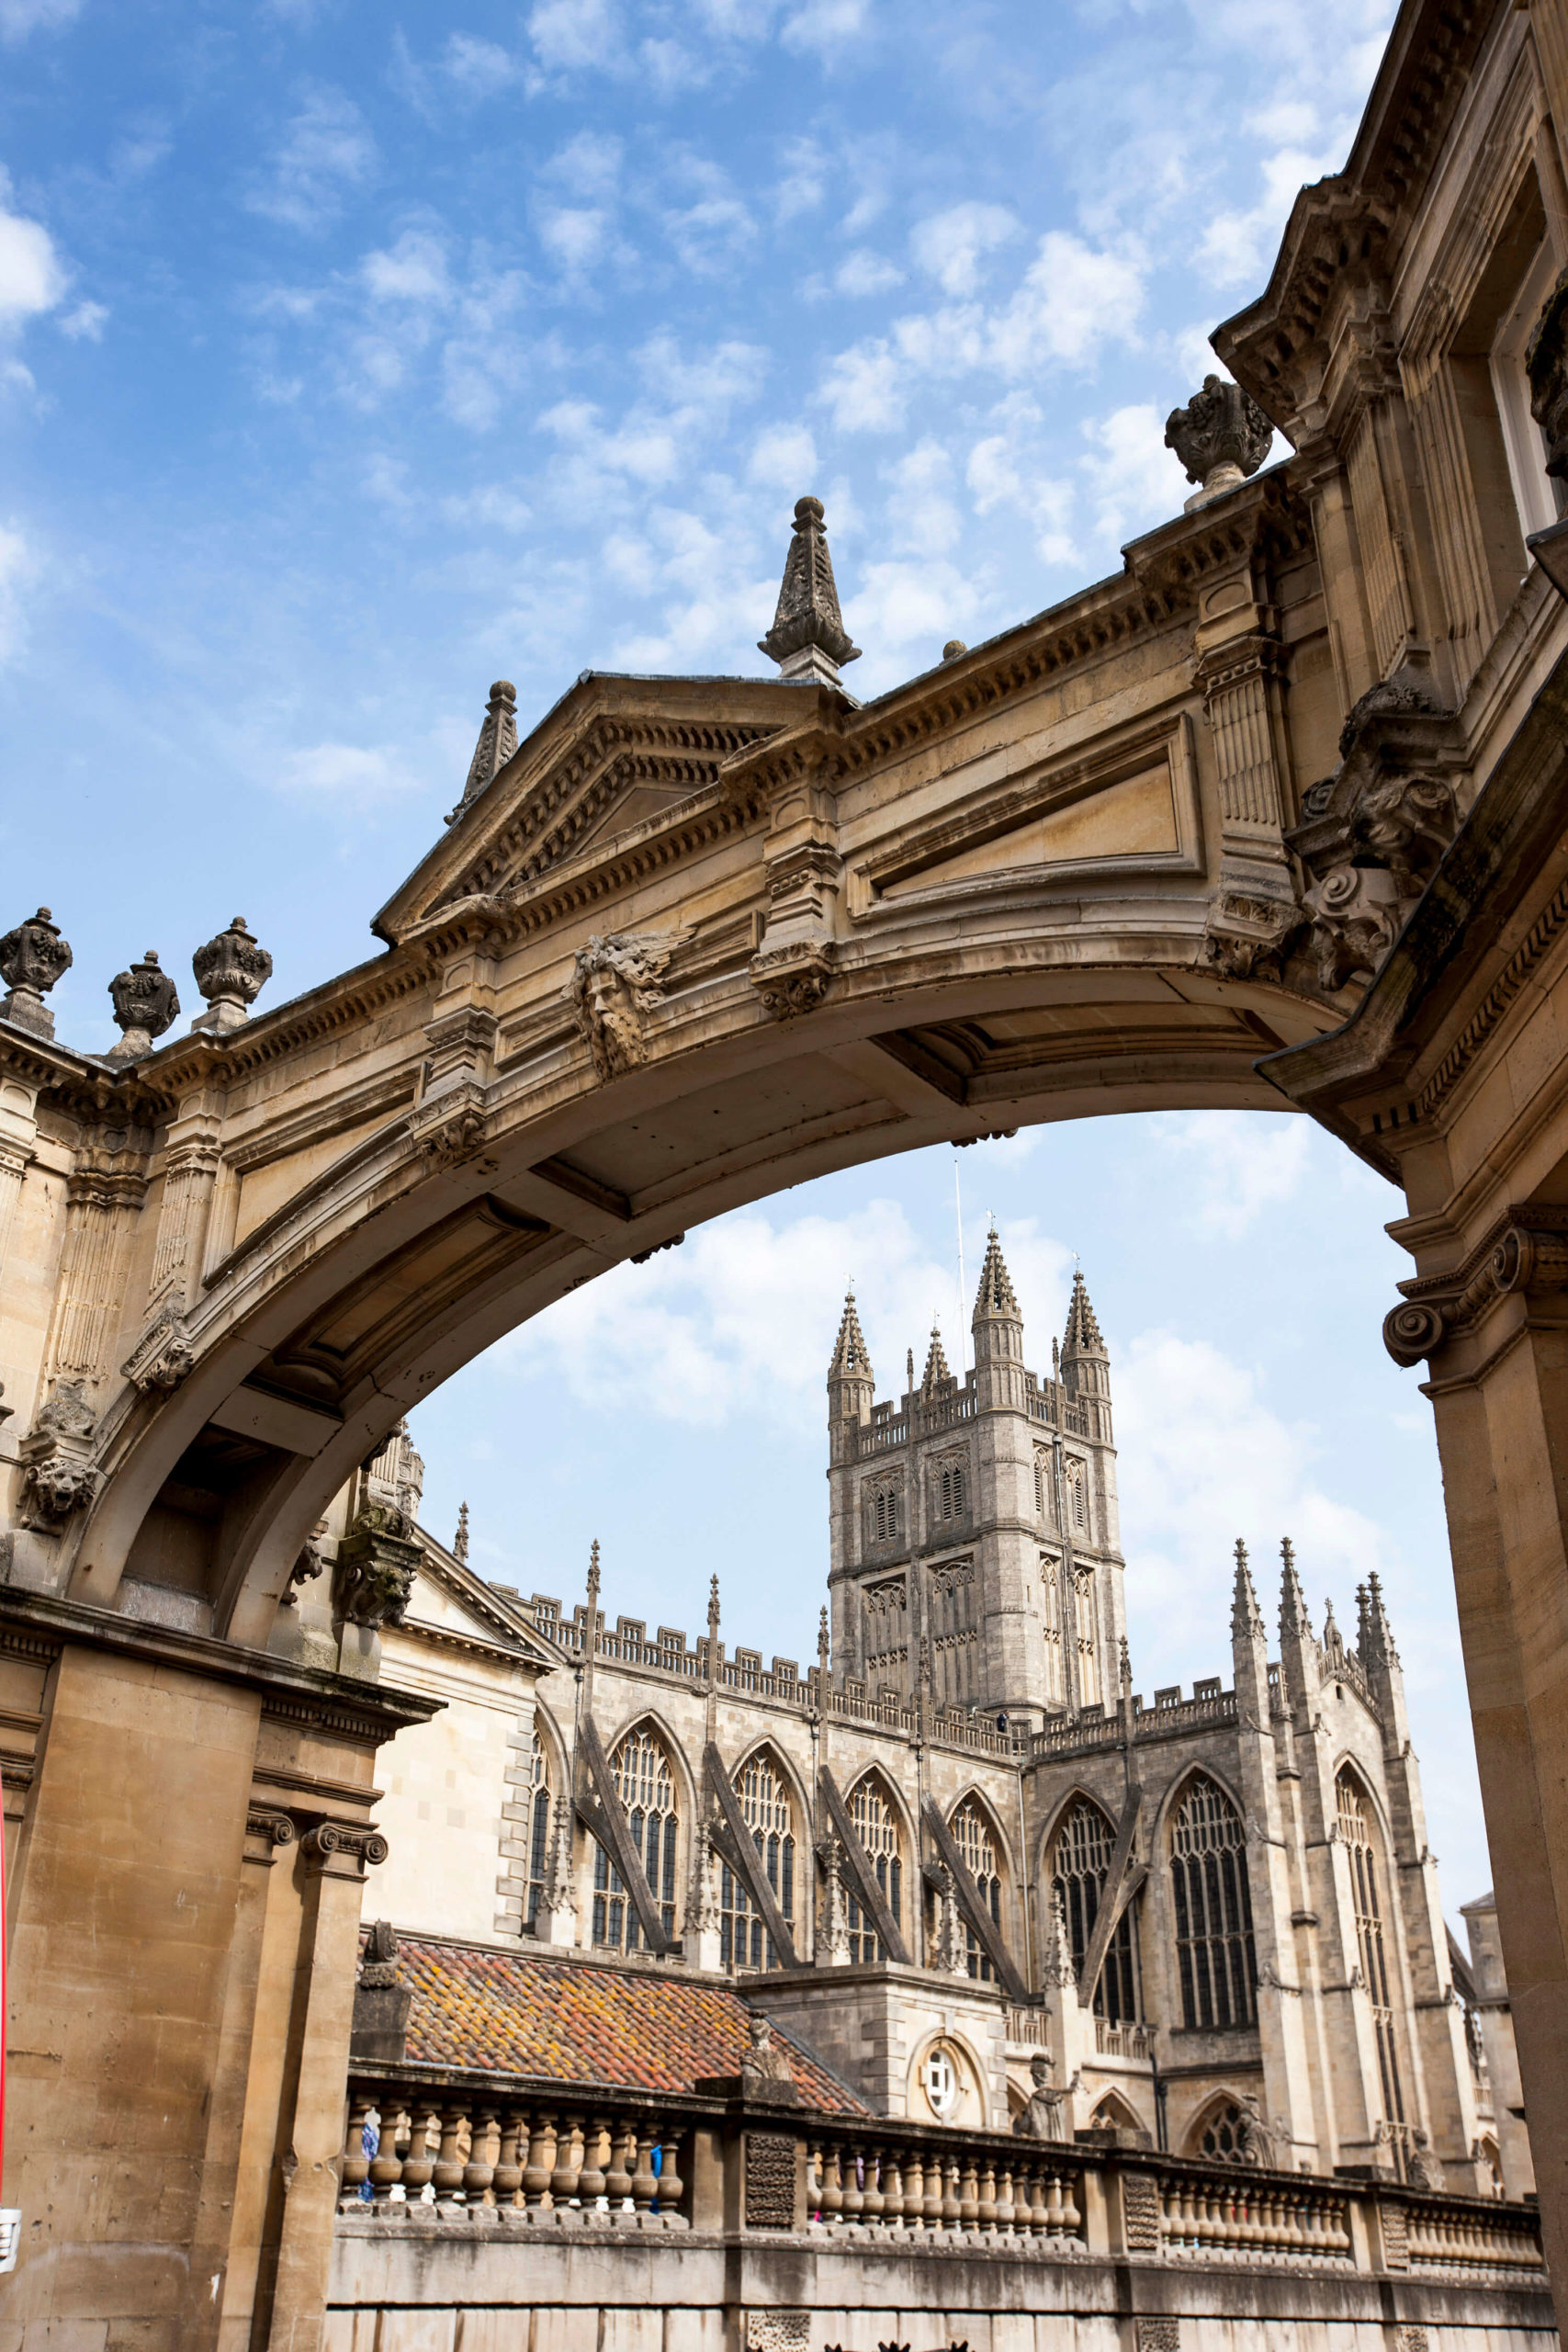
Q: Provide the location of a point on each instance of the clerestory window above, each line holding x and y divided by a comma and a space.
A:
1215, 1960
646, 1786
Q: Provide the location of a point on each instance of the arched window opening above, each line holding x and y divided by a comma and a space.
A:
1356, 1834
646, 1786
877, 1827
1042, 1486
763, 1792
1079, 1867
972, 1836
949, 1501
539, 1830
884, 1514
1221, 2134
1215, 1960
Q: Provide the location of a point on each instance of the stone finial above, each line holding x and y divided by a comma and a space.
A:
824, 1647
936, 1370
1293, 1617
1221, 437
995, 1296
808, 638
1246, 1618
498, 741
592, 1589
460, 1541
1083, 1334
955, 649
231, 971
145, 1003
852, 1358
32, 957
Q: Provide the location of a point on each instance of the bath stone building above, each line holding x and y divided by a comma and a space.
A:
961, 1839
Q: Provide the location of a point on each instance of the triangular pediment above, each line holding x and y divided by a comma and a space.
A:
448, 1600
614, 754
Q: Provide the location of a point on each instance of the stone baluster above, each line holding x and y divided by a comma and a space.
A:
623, 2157
1039, 2184
356, 2163
985, 2204
1007, 2207
892, 2188
671, 2187
449, 2162
418, 2165
479, 2173
645, 2180
386, 2166
1072, 2218
1056, 2207
591, 2179
855, 2194
873, 2202
914, 2177
507, 2183
833, 2187
541, 2159
932, 2208
568, 2163
969, 2196
952, 2209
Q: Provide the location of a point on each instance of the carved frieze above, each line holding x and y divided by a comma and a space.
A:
617, 979
770, 2180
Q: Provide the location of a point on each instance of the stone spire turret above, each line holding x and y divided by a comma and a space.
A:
998, 1326
1083, 1334
1298, 1655
1374, 1635
1246, 1618
498, 740
936, 1365
996, 1296
460, 1541
808, 638
851, 1384
1086, 1361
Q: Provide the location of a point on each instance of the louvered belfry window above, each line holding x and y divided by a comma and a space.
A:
763, 1792
876, 1826
1080, 1865
1214, 1956
646, 1786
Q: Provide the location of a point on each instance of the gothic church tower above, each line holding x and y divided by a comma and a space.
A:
974, 1535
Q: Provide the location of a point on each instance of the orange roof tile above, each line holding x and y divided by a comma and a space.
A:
570, 2021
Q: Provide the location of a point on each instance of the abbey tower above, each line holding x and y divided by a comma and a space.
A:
975, 1536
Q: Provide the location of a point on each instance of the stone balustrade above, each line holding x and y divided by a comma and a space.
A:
1458, 2237
1245, 2217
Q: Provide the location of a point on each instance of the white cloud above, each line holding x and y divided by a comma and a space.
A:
784, 458
493, 508
864, 272
347, 775
480, 68
1238, 1164
414, 270
867, 388
567, 34
20, 17
922, 517
574, 235
951, 247
918, 602
1134, 479
826, 26
85, 322
588, 165
327, 152
31, 277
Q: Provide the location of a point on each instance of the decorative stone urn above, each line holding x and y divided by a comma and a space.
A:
231, 971
32, 957
144, 1004
1221, 437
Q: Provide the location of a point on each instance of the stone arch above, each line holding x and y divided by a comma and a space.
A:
1079, 1859
784, 1848
1204, 1847
1113, 2112
652, 1719
972, 2105
1078, 1793
1219, 2121
661, 1809
1375, 1943
899, 1880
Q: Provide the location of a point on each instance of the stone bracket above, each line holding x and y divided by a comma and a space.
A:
1525, 1253
732, 1842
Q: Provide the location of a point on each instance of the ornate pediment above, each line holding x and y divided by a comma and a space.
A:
615, 755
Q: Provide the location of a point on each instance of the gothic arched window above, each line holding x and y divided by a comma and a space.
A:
539, 1829
1357, 1835
1214, 1956
764, 1800
646, 1786
884, 1514
1081, 1864
950, 1491
972, 1836
877, 1827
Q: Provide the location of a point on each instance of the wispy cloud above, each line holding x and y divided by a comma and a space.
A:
33, 277
325, 153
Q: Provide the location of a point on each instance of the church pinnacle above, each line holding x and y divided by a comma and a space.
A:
1083, 1334
1246, 1618
808, 638
852, 1359
936, 1365
498, 740
996, 1295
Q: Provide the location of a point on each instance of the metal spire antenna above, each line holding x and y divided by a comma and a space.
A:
958, 1217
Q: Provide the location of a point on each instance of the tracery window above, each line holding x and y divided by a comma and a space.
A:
763, 1792
1222, 2134
1080, 1865
646, 1786
1077, 1509
1356, 1834
539, 1830
972, 1836
1214, 1955
877, 1827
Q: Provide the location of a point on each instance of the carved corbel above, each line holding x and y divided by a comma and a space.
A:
163, 1355
617, 979
374, 1570
1526, 1257
452, 1128
349, 1839
56, 1457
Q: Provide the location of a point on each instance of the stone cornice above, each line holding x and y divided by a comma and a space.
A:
365, 1712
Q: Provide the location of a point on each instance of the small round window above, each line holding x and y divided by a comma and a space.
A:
943, 2081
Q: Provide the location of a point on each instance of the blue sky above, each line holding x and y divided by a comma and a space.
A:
351, 357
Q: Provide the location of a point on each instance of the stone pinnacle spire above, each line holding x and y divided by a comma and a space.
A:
1293, 1617
936, 1364
460, 1541
852, 1359
1374, 1641
1083, 1335
996, 1295
808, 638
1246, 1618
498, 740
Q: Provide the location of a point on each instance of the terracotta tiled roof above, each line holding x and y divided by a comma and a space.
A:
570, 2021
